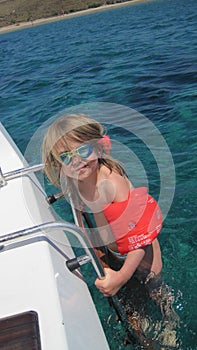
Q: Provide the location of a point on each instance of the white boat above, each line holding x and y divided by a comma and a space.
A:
43, 305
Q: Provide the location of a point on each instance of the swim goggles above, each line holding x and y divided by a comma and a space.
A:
83, 151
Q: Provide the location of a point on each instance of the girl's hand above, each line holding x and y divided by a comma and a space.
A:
114, 280
111, 284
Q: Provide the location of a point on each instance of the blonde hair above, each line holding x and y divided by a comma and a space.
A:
78, 128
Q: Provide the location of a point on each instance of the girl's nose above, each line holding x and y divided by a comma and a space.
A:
76, 159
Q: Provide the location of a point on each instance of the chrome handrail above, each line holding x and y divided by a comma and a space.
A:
18, 172
73, 229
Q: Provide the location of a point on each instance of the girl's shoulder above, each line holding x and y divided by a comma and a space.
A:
113, 180
105, 172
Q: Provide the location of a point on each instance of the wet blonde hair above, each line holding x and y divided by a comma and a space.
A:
69, 128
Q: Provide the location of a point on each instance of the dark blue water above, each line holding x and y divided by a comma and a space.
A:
141, 56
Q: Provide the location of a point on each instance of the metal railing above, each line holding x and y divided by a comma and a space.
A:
71, 228
4, 178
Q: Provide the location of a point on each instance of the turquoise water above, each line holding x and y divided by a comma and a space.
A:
141, 56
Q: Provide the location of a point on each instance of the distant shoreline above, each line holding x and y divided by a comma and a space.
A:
36, 22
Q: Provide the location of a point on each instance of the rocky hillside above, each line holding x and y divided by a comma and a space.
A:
16, 11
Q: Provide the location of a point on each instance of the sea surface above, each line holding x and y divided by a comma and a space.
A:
143, 57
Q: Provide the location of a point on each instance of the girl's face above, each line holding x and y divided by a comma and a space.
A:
79, 163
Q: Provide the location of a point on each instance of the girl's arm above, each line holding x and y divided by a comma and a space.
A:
114, 187
114, 280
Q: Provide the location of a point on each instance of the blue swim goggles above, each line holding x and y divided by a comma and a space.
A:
83, 151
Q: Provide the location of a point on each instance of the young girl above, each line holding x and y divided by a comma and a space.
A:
129, 220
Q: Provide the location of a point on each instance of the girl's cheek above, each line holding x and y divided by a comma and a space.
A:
65, 171
93, 164
94, 155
